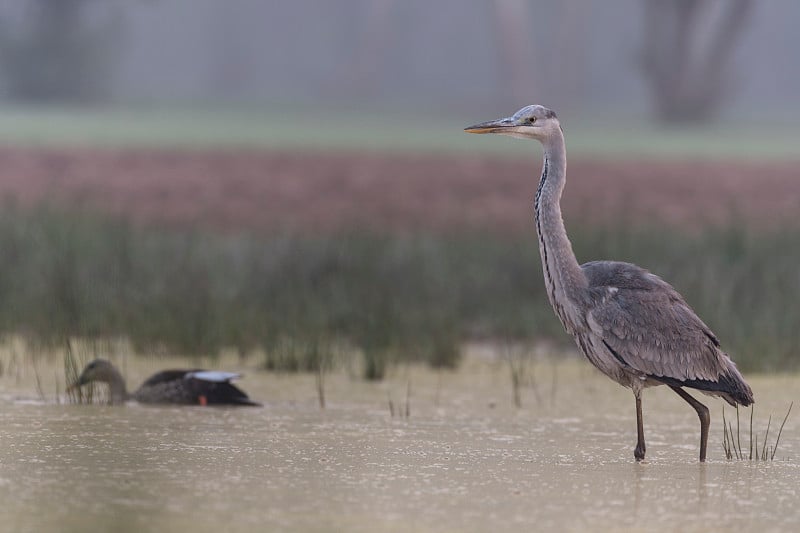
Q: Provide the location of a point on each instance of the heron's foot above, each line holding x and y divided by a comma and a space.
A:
638, 452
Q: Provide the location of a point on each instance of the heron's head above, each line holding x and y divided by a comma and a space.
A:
97, 370
530, 122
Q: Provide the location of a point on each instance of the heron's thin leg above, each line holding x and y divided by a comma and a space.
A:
638, 453
702, 413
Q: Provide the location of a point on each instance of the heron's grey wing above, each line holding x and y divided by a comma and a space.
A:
648, 326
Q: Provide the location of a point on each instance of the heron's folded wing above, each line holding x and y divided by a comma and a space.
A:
652, 330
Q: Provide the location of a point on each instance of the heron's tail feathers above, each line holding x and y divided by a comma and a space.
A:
730, 386
735, 390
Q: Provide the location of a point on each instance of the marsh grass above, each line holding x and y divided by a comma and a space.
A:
73, 365
391, 298
519, 358
39, 388
732, 441
401, 410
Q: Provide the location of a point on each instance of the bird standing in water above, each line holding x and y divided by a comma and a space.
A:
632, 325
182, 387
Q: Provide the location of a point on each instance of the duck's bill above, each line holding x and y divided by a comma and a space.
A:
77, 384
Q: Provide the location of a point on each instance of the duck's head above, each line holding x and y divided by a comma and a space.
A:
98, 370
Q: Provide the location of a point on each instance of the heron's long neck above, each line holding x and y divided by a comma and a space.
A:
563, 276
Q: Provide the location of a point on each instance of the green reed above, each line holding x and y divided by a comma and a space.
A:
391, 298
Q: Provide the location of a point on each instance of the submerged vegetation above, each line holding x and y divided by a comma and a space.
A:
392, 298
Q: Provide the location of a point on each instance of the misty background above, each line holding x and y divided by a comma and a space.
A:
451, 56
290, 180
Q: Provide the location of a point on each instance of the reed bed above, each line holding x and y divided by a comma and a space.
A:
392, 298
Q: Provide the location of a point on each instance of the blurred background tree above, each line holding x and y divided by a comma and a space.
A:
688, 46
59, 50
678, 58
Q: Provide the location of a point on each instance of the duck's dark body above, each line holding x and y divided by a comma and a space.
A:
182, 387
176, 387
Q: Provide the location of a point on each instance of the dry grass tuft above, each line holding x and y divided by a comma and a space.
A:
732, 442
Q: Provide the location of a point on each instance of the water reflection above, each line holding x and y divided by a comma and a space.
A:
456, 464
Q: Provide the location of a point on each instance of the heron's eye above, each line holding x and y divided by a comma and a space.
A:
532, 120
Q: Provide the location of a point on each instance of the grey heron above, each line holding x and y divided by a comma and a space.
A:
632, 325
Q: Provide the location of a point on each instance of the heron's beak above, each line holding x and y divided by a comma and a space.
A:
493, 126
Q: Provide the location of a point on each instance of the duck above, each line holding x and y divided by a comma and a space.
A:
176, 387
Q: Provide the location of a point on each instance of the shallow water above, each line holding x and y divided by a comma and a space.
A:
465, 460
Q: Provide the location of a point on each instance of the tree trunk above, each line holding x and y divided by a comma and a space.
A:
688, 47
